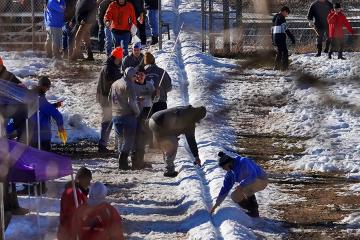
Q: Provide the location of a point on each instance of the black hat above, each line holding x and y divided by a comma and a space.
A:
337, 5
44, 81
224, 159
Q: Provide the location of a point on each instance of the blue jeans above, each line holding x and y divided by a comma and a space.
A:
154, 22
125, 126
122, 40
105, 39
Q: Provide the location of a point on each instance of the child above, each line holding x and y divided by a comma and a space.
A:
279, 32
337, 20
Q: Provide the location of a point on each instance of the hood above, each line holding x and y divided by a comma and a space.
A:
129, 73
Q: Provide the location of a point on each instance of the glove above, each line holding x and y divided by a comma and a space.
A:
62, 135
311, 24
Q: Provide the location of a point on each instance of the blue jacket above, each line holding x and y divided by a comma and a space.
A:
47, 111
245, 172
55, 13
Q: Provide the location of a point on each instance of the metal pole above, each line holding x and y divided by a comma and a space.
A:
226, 9
211, 37
160, 25
2, 210
27, 131
33, 23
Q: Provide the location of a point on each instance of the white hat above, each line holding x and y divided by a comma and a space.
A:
97, 193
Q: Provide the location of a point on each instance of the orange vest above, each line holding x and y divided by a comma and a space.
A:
121, 17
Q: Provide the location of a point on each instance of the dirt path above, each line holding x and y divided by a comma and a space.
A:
324, 198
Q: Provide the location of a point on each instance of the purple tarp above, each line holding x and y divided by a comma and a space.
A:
28, 164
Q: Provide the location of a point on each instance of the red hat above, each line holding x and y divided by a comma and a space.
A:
117, 52
1, 62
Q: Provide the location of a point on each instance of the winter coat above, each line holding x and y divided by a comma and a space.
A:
336, 24
67, 209
146, 91
245, 171
319, 11
132, 61
280, 30
138, 6
108, 75
121, 16
47, 111
98, 222
102, 10
85, 11
176, 121
54, 13
123, 97
154, 73
8, 76
151, 4
69, 10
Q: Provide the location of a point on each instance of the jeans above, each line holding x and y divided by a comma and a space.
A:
105, 39
122, 40
125, 126
106, 125
154, 22
53, 41
67, 37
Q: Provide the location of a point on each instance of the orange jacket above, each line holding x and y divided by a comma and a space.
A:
121, 17
336, 23
96, 222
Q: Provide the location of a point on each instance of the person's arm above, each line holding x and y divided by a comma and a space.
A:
190, 138
229, 181
49, 109
348, 26
331, 18
14, 79
56, 6
109, 15
290, 35
132, 99
167, 82
124, 63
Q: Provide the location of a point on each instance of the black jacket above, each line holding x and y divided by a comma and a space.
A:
176, 121
108, 75
69, 10
138, 6
151, 4
319, 11
280, 30
154, 73
8, 76
102, 10
132, 61
85, 11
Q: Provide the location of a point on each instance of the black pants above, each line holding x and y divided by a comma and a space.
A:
337, 45
142, 32
323, 34
282, 57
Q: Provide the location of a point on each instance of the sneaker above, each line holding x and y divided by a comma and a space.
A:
170, 174
20, 211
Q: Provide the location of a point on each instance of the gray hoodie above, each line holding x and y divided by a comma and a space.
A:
145, 90
123, 97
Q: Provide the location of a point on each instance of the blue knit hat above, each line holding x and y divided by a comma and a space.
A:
137, 45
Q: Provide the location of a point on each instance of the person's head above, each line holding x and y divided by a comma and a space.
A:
97, 193
199, 112
83, 177
285, 11
225, 161
337, 7
121, 2
137, 49
140, 77
149, 58
117, 54
130, 74
44, 84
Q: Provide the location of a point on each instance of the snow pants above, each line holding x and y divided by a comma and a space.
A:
282, 57
241, 193
323, 34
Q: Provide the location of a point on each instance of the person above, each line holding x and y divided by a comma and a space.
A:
97, 219
6, 75
144, 91
140, 13
85, 17
67, 31
67, 203
250, 177
54, 21
319, 11
279, 31
337, 20
120, 18
152, 8
162, 82
167, 125
108, 75
104, 34
124, 111
135, 59
47, 111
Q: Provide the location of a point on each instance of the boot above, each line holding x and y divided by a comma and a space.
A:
168, 173
318, 54
137, 159
330, 53
244, 204
154, 40
123, 161
340, 56
253, 207
90, 54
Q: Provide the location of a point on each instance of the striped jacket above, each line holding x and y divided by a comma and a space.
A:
279, 31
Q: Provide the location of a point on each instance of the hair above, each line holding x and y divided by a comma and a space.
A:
149, 58
83, 172
44, 81
286, 9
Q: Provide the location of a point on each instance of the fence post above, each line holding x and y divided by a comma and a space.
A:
238, 33
226, 9
211, 36
33, 24
160, 25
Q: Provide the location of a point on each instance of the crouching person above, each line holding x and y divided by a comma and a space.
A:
97, 219
251, 179
167, 125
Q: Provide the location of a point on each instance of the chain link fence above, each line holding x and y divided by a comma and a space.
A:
21, 24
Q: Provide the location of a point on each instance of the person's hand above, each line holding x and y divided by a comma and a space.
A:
311, 24
82, 22
58, 104
62, 134
107, 24
197, 161
213, 209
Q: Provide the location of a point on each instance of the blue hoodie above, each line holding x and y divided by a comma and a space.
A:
244, 171
54, 13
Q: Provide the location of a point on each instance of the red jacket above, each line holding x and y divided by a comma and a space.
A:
336, 23
98, 222
67, 209
121, 17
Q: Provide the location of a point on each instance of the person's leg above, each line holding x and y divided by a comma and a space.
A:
108, 41
118, 122
319, 41
142, 32
154, 25
56, 43
130, 124
65, 38
169, 146
48, 43
341, 48
241, 193
285, 58
331, 48
77, 42
101, 36
124, 42
327, 41
87, 40
278, 58
106, 125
